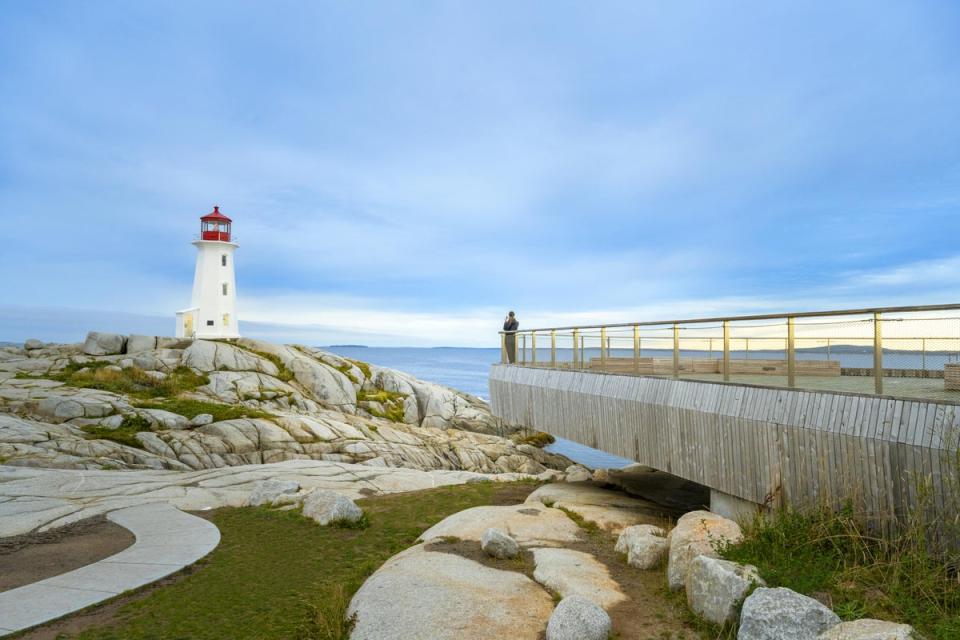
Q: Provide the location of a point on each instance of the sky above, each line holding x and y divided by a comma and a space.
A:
405, 173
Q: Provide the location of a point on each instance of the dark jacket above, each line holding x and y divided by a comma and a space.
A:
511, 325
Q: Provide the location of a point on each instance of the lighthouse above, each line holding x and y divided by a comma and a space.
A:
212, 312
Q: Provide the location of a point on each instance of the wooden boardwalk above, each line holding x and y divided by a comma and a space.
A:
765, 445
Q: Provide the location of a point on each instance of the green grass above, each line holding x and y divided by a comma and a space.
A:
132, 381
898, 578
276, 575
191, 408
587, 525
124, 434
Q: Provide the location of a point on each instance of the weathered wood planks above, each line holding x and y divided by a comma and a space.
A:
766, 445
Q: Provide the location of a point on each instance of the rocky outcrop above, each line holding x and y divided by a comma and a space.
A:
782, 614
575, 573
612, 511
300, 403
697, 533
431, 595
530, 526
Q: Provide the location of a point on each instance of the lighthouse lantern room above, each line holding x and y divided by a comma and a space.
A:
212, 312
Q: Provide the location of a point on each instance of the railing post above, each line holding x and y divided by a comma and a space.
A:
533, 347
576, 348
636, 349
878, 353
676, 351
746, 343
503, 348
553, 349
603, 348
923, 354
726, 351
791, 355
523, 350
582, 340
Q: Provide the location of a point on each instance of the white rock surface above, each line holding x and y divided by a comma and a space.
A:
574, 573
530, 525
424, 595
330, 507
782, 614
273, 492
610, 509
497, 544
577, 618
697, 533
43, 499
715, 588
868, 629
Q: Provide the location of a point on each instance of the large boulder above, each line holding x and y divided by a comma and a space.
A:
715, 588
574, 573
424, 595
697, 533
497, 544
782, 614
577, 618
207, 355
867, 629
329, 507
32, 344
645, 545
138, 344
273, 492
104, 344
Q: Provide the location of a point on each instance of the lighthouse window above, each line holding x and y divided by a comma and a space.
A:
224, 288
226, 319
223, 260
209, 323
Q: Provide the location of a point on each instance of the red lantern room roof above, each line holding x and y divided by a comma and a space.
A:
216, 215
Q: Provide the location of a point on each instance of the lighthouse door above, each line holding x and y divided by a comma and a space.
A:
188, 325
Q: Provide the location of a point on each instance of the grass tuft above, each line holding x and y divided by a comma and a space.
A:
836, 557
132, 381
537, 439
190, 408
587, 525
124, 434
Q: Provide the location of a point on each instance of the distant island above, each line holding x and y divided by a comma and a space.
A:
346, 346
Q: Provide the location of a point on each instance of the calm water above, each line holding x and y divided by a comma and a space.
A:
466, 370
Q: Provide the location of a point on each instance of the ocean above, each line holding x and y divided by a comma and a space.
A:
465, 370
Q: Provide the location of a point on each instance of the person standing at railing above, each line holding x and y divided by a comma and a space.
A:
510, 326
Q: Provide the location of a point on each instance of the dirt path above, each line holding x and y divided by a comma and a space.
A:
649, 613
36, 556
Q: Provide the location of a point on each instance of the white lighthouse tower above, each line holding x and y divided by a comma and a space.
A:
212, 312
